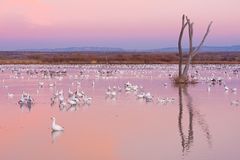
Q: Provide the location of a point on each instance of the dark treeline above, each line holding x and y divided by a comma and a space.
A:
12, 57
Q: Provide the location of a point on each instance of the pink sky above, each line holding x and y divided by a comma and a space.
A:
134, 24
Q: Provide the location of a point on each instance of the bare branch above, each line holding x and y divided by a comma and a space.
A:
180, 38
183, 20
205, 36
184, 24
190, 34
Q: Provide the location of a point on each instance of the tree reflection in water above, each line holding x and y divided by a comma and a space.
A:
187, 139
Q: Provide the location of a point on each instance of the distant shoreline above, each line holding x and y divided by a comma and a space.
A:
28, 57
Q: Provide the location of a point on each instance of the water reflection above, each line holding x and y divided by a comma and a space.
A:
27, 105
187, 139
55, 135
72, 108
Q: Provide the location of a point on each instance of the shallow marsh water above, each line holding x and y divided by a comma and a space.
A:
201, 124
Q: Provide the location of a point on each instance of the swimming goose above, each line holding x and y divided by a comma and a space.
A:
41, 84
234, 90
56, 127
226, 88
10, 95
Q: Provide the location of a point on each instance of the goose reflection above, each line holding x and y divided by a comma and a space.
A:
72, 108
55, 135
187, 139
27, 105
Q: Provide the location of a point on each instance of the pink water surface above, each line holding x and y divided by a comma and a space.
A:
205, 127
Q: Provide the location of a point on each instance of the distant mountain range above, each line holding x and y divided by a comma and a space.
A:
235, 48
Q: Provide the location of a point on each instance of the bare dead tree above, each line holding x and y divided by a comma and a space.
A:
192, 52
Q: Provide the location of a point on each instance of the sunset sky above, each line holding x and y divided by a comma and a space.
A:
129, 24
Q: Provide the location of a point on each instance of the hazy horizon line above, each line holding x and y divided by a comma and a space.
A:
110, 47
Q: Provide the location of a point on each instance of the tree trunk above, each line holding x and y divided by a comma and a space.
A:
186, 68
180, 47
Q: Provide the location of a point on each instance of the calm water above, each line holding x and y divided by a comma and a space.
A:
201, 123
